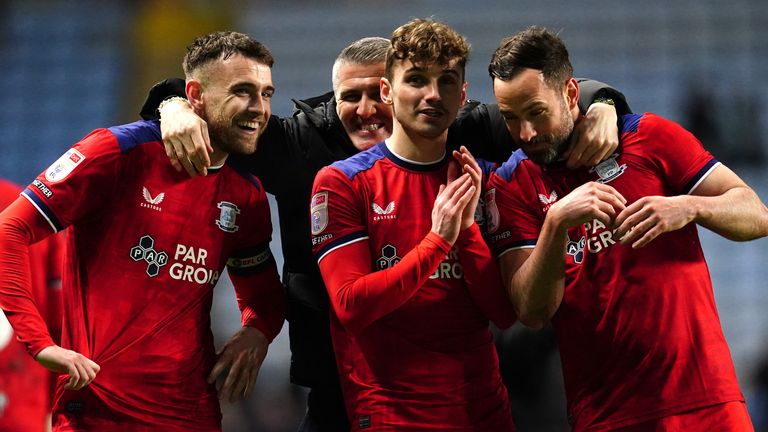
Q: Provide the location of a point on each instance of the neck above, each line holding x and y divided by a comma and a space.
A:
218, 157
417, 148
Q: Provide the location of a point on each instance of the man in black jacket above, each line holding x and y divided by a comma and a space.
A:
333, 127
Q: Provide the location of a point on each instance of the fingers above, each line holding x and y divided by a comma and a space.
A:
221, 365
171, 153
637, 225
234, 383
198, 149
185, 162
82, 371
595, 137
186, 140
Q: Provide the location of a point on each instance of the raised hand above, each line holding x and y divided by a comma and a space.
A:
80, 368
450, 203
469, 166
242, 356
185, 137
595, 137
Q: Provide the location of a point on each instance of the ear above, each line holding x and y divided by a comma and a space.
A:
194, 92
464, 93
385, 89
572, 94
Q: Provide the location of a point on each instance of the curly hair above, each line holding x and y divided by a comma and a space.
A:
221, 46
425, 41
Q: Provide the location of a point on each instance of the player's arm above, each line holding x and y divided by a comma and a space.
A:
596, 135
262, 307
358, 296
482, 276
722, 202
260, 298
20, 226
535, 277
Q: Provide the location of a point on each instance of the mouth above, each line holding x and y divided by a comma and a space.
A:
369, 128
431, 113
249, 126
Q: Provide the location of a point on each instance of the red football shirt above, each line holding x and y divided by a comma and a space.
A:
146, 245
638, 330
410, 323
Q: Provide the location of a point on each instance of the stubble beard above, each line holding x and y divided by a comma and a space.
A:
556, 143
228, 138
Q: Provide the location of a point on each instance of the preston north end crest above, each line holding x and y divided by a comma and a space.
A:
227, 217
609, 169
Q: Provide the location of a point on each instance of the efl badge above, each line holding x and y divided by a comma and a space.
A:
227, 217
318, 210
609, 169
64, 165
491, 210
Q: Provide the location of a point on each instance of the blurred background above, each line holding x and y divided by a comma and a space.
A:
72, 66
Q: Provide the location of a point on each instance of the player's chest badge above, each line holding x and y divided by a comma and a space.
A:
609, 169
227, 217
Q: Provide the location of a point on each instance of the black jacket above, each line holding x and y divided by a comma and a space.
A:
291, 152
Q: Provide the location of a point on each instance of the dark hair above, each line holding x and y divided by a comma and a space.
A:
425, 41
534, 48
221, 46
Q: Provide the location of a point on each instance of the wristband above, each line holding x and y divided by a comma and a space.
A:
168, 100
602, 99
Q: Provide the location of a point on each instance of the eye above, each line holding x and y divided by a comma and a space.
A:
448, 80
350, 97
416, 80
267, 94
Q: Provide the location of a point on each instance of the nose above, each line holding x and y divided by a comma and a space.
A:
432, 91
527, 131
259, 104
366, 107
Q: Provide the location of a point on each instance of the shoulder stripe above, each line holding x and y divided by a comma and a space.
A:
701, 175
523, 244
509, 167
629, 123
134, 134
343, 241
362, 161
486, 167
43, 209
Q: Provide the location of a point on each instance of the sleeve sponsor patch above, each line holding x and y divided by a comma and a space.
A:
248, 262
60, 169
492, 211
318, 211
